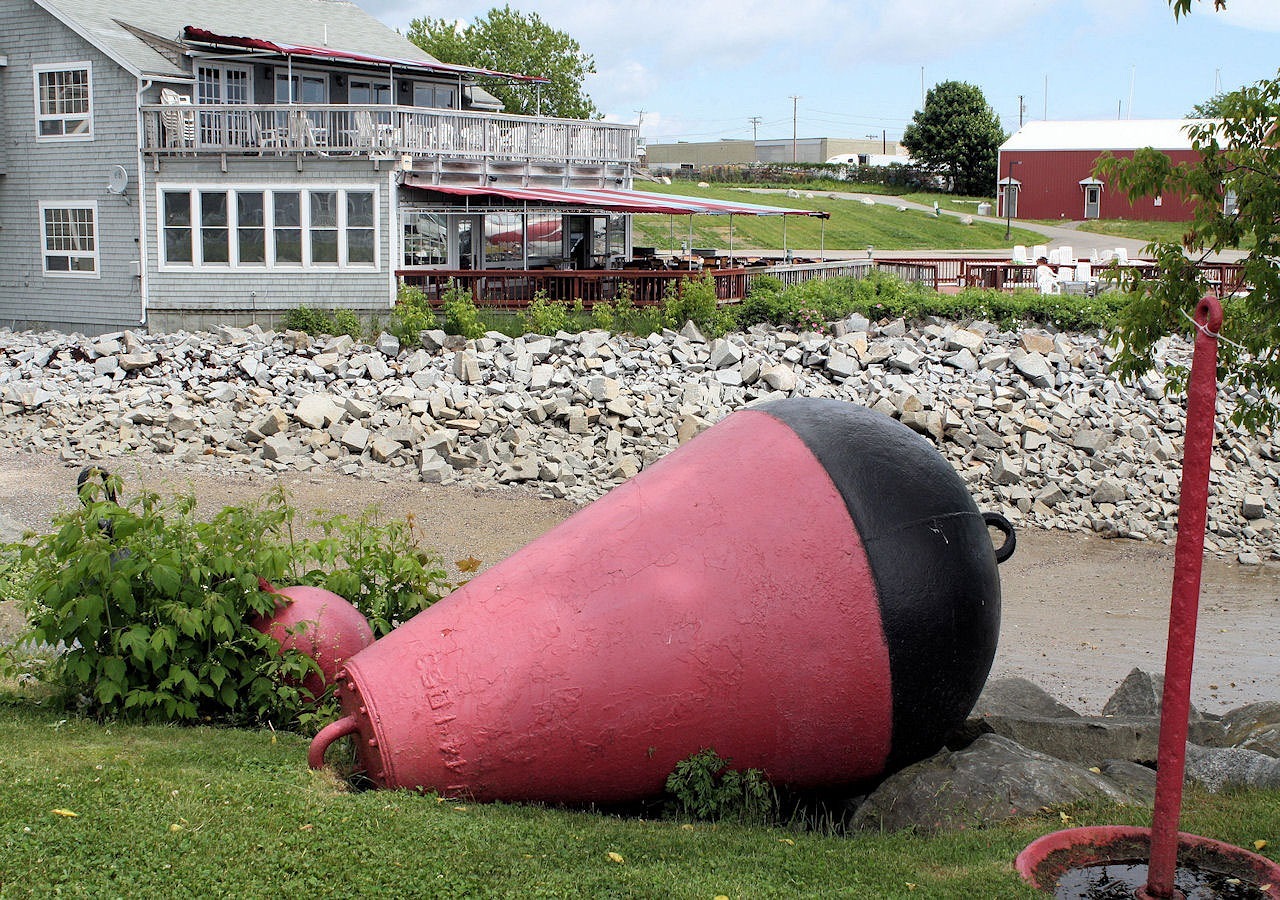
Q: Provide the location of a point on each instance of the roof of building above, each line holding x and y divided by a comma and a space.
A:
1103, 134
114, 27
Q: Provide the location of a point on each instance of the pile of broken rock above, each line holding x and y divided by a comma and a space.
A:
1031, 419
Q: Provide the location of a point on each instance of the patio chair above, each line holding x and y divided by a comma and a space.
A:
179, 122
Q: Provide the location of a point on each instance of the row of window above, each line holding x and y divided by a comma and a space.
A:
229, 228
256, 228
64, 94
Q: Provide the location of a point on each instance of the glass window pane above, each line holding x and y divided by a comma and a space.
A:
324, 246
360, 245
324, 209
249, 208
177, 208
213, 245
313, 89
177, 245
252, 245
360, 209
288, 245
213, 208
288, 208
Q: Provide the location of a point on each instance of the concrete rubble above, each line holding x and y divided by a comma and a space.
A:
1032, 420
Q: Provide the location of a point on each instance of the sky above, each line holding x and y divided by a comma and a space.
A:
701, 70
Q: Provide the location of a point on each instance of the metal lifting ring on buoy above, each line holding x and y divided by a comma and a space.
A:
1005, 527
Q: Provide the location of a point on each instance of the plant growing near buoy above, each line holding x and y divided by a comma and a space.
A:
155, 611
704, 787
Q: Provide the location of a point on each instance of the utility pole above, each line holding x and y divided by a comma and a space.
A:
640, 116
755, 125
795, 106
1021, 109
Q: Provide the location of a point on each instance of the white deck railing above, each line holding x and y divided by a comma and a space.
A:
385, 131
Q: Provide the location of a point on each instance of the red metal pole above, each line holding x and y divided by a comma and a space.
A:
1202, 389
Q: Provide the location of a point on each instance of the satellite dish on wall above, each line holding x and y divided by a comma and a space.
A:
118, 180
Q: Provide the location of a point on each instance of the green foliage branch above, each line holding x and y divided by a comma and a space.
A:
1237, 156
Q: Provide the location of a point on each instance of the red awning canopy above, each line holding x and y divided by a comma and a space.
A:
616, 200
191, 33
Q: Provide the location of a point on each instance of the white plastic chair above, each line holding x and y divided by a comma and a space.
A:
1084, 272
1019, 253
1038, 251
180, 122
1122, 256
1066, 255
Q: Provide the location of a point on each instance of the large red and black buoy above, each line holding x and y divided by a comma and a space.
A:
807, 588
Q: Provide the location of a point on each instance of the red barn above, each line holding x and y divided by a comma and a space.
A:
1046, 169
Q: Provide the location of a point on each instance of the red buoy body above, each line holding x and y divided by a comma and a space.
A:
806, 587
320, 624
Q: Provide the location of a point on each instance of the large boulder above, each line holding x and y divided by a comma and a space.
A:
991, 780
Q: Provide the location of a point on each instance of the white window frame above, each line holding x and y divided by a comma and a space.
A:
271, 265
46, 251
64, 118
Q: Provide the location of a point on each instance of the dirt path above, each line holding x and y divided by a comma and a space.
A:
1078, 612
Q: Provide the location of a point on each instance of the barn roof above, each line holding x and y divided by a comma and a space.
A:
1103, 134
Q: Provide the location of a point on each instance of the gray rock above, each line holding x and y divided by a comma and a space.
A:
1141, 694
991, 780
1015, 696
1036, 369
388, 345
1253, 506
466, 368
1255, 727
1088, 740
1135, 779
318, 411
132, 362
1091, 440
1231, 768
1108, 490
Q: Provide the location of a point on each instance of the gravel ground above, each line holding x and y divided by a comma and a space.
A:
1078, 611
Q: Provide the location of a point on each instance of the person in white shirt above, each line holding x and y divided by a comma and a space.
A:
1045, 276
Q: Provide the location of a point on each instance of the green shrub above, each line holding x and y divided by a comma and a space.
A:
347, 322
460, 313
546, 316
153, 606
320, 321
694, 300
412, 315
704, 787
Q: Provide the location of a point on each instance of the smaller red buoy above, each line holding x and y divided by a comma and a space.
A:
320, 624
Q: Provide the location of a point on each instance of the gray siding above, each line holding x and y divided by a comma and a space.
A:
71, 172
192, 298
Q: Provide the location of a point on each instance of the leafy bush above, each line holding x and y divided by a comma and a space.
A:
704, 787
320, 321
694, 300
412, 315
460, 313
545, 316
153, 606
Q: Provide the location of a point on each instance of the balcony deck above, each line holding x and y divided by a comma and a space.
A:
382, 132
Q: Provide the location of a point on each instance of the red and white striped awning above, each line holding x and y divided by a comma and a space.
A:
203, 36
614, 200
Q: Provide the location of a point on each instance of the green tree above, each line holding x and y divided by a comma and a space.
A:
509, 41
1238, 159
1208, 109
958, 135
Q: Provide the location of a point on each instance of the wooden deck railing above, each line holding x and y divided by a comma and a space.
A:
386, 131
513, 288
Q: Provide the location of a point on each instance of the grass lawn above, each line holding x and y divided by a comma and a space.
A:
853, 225
173, 812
